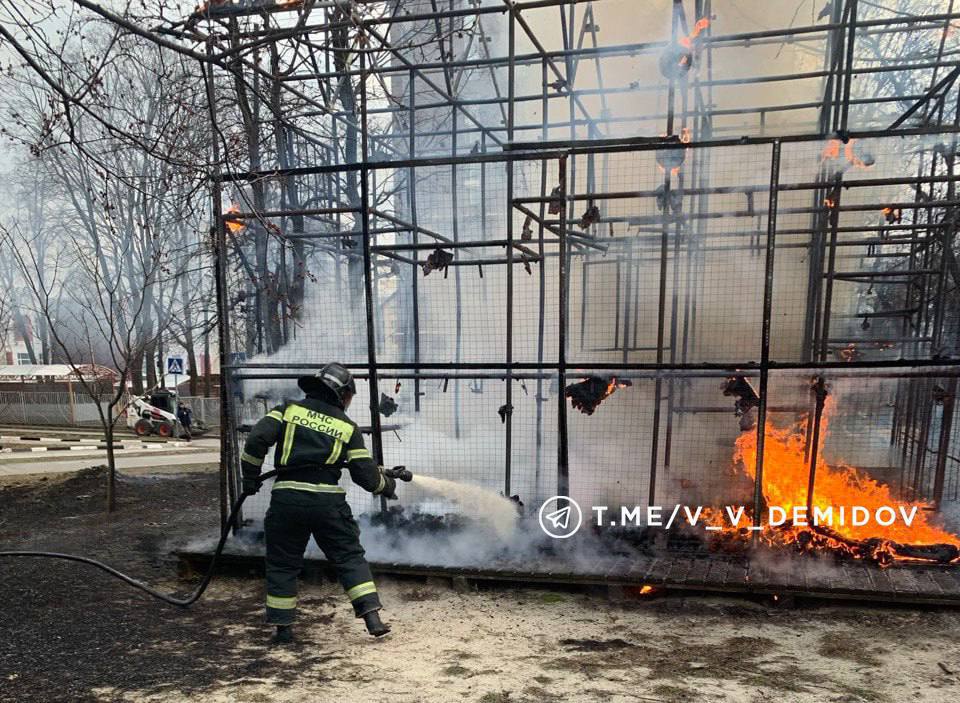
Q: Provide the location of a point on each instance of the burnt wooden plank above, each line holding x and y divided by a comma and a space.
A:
679, 568
881, 581
698, 571
858, 577
638, 567
926, 583
716, 571
947, 578
903, 581
655, 571
618, 568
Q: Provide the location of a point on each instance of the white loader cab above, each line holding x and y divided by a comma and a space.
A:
155, 413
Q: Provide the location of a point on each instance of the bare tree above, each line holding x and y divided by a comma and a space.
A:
107, 287
100, 314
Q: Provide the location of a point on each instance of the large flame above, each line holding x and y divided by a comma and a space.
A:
785, 480
234, 226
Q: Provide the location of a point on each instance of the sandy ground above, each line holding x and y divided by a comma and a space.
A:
531, 645
72, 634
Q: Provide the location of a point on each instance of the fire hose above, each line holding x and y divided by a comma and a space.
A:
398, 472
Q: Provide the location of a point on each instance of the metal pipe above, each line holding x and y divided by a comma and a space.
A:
820, 394
563, 465
766, 325
949, 398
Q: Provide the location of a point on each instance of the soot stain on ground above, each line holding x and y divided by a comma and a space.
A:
70, 630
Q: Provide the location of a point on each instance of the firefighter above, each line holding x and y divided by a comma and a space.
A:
315, 441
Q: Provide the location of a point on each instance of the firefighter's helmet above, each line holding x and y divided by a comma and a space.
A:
333, 377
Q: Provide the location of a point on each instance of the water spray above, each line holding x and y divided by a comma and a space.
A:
482, 502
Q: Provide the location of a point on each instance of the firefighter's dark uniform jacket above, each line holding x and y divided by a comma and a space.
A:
315, 441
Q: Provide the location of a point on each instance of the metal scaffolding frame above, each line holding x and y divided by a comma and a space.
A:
369, 41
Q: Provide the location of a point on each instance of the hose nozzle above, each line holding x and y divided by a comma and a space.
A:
399, 473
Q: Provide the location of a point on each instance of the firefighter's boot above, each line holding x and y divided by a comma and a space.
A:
375, 626
284, 635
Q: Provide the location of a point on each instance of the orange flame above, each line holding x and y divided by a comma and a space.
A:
701, 25
830, 203
785, 478
852, 157
849, 352
831, 150
235, 226
612, 386
673, 171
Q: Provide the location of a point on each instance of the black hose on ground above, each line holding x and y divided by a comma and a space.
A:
165, 597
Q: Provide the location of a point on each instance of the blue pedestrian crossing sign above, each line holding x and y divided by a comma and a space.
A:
175, 365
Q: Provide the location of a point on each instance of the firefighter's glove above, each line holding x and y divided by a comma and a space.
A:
389, 488
251, 486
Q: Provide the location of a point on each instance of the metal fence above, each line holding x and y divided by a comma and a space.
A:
59, 409
47, 408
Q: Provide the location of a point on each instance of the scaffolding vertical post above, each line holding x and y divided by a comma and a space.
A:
765, 329
373, 382
664, 255
508, 417
819, 389
848, 66
412, 197
228, 453
943, 445
834, 205
563, 466
542, 283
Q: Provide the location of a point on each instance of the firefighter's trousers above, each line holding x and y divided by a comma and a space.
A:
294, 514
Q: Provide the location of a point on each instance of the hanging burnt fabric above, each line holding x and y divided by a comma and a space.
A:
438, 260
747, 397
590, 217
527, 232
669, 197
586, 395
387, 406
676, 61
556, 201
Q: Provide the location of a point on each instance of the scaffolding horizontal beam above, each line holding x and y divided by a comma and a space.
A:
555, 149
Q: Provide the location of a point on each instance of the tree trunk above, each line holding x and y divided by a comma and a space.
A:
45, 355
161, 366
340, 39
207, 376
111, 461
150, 356
136, 373
191, 361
